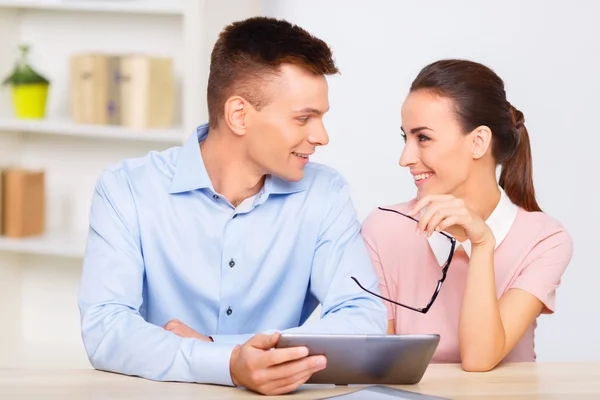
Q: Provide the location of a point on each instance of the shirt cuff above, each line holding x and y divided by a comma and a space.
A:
231, 339
212, 364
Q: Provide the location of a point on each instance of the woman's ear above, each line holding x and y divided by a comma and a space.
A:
481, 141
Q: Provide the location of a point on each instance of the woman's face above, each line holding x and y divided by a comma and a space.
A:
437, 151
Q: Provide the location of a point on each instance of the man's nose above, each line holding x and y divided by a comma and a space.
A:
319, 136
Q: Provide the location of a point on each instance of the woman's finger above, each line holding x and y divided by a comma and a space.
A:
458, 215
439, 216
427, 200
430, 211
448, 222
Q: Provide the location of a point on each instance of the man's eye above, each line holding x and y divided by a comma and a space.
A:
303, 119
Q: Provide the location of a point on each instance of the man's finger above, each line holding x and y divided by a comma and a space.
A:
277, 390
281, 356
311, 364
291, 383
264, 342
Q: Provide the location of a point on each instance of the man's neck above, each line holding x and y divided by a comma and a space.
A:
230, 172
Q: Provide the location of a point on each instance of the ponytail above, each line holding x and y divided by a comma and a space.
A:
516, 177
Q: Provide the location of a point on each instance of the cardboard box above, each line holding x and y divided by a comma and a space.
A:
95, 92
147, 92
24, 202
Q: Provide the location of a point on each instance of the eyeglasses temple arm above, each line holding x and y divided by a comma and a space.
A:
385, 298
414, 219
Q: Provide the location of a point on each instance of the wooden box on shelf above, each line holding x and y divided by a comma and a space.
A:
147, 92
95, 93
133, 90
23, 205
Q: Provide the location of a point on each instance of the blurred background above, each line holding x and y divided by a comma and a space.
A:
90, 82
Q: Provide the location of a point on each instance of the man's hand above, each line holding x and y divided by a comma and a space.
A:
256, 366
181, 329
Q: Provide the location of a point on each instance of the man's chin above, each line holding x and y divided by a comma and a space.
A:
295, 176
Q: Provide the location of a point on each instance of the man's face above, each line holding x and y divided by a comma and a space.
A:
284, 133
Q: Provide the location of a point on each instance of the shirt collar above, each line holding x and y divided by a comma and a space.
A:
500, 222
190, 172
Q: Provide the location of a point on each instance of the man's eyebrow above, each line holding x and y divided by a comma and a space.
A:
310, 110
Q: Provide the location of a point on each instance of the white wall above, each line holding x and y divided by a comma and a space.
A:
548, 54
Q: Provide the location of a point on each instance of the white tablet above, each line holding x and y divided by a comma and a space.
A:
367, 359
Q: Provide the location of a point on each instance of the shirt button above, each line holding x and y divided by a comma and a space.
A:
215, 196
232, 263
234, 216
229, 311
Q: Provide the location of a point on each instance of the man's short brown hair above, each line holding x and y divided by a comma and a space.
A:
248, 52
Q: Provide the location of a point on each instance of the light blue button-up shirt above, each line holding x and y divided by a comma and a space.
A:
164, 245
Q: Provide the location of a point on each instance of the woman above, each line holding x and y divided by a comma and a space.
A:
503, 256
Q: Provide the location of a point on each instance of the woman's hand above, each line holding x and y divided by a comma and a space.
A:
450, 214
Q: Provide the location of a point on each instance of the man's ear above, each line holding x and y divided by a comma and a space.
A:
481, 141
235, 114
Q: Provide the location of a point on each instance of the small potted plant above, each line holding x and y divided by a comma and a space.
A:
29, 89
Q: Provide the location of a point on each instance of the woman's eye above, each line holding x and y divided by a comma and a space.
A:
423, 138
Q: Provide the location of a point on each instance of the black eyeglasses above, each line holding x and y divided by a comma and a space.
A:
439, 284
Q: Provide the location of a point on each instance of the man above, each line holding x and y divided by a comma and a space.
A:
195, 251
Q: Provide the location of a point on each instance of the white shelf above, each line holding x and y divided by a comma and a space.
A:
40, 276
164, 7
68, 128
62, 245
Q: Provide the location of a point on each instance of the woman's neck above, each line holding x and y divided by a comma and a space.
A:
481, 194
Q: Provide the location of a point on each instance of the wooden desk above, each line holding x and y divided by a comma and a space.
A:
512, 381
